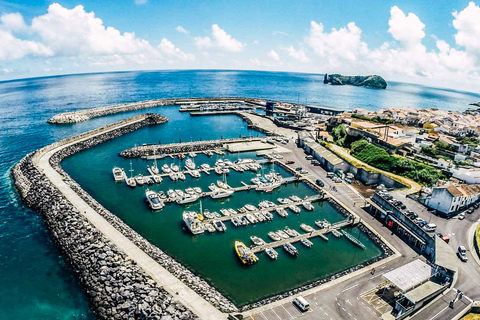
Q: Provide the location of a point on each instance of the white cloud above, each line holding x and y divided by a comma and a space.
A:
12, 48
408, 29
279, 33
274, 55
467, 24
343, 43
220, 39
181, 30
298, 55
75, 31
6, 70
13, 22
169, 49
140, 2
203, 43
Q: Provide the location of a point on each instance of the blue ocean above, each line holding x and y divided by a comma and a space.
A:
35, 281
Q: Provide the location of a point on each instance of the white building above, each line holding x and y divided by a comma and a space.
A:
470, 176
451, 198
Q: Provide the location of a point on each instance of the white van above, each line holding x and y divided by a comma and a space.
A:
302, 303
330, 174
431, 227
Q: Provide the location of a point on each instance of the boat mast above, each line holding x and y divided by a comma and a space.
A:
131, 169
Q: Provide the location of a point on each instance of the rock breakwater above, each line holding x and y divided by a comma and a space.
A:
115, 285
174, 148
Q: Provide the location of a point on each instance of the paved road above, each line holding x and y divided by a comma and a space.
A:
353, 298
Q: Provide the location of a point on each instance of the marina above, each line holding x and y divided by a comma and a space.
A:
166, 227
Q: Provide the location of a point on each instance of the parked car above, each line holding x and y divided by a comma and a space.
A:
348, 180
309, 157
430, 227
462, 253
330, 174
388, 196
422, 224
301, 303
461, 216
470, 210
320, 183
290, 162
413, 216
299, 169
418, 220
304, 172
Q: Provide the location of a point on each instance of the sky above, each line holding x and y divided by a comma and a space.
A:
434, 43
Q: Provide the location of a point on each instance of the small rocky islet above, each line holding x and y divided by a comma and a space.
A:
370, 81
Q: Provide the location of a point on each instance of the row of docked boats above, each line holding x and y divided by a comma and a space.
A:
196, 224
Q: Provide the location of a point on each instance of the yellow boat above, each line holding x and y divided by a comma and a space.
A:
245, 254
200, 217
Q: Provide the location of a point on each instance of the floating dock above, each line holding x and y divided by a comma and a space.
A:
317, 233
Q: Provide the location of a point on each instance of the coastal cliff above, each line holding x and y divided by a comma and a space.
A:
372, 81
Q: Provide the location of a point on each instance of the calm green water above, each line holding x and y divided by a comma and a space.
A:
212, 255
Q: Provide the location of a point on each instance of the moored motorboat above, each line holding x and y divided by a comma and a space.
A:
153, 200
190, 191
257, 241
251, 218
157, 179
221, 193
171, 193
193, 222
208, 214
274, 236
140, 180
336, 233
174, 167
306, 228
236, 222
131, 182
288, 247
225, 212
187, 198
295, 198
271, 253
291, 232
307, 243
181, 176
166, 168
268, 216
322, 224
209, 227
118, 174
281, 212
195, 173
308, 205
180, 193
260, 217
245, 254
232, 211
294, 208
283, 234
197, 190
189, 164
219, 225
250, 207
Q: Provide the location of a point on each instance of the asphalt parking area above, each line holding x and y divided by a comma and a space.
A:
286, 311
374, 299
